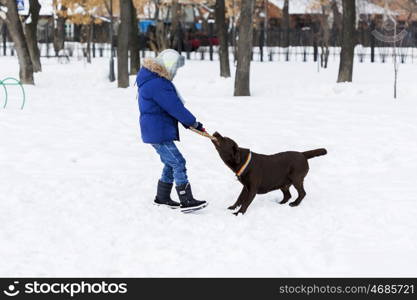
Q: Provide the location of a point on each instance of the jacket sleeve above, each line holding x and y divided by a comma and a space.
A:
166, 97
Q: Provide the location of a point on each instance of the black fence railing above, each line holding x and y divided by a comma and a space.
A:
306, 44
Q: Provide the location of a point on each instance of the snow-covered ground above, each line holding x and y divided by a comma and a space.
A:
77, 184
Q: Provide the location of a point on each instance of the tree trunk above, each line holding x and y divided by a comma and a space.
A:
156, 14
286, 25
325, 37
261, 39
244, 51
123, 44
348, 42
161, 36
89, 33
175, 25
4, 34
372, 42
31, 35
221, 29
134, 42
337, 22
59, 31
16, 32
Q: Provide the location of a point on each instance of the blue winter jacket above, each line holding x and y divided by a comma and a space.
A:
160, 108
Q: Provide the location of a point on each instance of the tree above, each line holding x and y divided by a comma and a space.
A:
286, 29
16, 32
324, 31
286, 24
176, 30
222, 35
86, 13
3, 30
160, 38
337, 20
134, 42
59, 29
87, 33
244, 50
348, 42
30, 28
123, 44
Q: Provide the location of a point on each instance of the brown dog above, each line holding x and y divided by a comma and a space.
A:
261, 174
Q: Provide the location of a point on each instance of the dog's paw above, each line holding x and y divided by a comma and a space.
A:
232, 207
239, 212
294, 204
283, 201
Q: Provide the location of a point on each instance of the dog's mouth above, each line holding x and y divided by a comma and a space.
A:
217, 139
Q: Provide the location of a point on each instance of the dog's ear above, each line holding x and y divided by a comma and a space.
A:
236, 153
216, 134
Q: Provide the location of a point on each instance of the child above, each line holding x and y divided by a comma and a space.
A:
161, 108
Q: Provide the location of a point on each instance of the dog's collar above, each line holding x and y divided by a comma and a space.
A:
245, 165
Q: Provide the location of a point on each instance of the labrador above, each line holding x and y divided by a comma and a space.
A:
261, 173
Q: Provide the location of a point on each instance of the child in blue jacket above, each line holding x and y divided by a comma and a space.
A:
161, 108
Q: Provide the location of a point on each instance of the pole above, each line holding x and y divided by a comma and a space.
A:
266, 24
4, 29
112, 77
395, 62
233, 32
47, 37
211, 25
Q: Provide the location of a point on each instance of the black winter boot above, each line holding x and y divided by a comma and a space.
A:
163, 195
188, 203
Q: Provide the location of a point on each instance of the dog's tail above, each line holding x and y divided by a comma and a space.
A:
314, 153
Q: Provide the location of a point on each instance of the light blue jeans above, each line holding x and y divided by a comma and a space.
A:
174, 163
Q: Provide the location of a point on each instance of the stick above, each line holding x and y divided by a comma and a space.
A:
203, 133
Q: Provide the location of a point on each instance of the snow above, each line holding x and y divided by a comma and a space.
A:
47, 8
299, 7
2, 14
77, 185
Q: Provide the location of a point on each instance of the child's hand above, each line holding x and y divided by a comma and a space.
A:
199, 127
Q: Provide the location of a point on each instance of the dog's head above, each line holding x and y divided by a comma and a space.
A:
227, 148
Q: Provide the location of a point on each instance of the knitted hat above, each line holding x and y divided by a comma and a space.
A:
171, 60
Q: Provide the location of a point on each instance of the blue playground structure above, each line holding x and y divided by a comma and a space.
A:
10, 81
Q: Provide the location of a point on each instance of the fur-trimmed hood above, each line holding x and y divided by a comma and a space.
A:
153, 66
